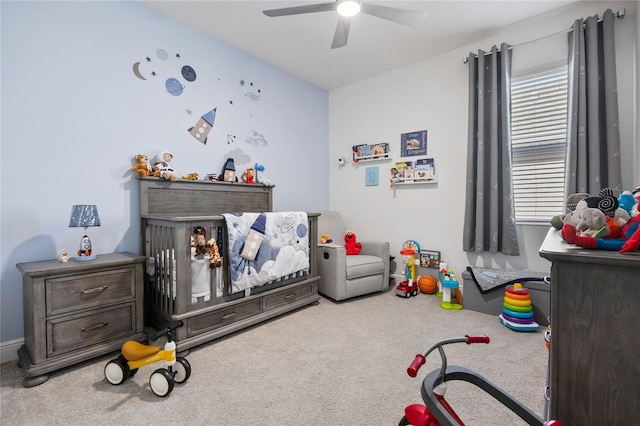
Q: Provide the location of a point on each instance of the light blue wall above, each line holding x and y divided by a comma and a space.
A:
74, 115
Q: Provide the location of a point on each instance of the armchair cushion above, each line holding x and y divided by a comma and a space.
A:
363, 265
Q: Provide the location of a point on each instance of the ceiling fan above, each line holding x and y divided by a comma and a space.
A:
349, 8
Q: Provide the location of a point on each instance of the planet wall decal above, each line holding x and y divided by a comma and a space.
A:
174, 87
188, 73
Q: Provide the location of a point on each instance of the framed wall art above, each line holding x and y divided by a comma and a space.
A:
413, 143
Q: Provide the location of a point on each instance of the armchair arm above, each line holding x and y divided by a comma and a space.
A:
380, 249
332, 265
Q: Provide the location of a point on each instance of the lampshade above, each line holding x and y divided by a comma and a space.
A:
84, 216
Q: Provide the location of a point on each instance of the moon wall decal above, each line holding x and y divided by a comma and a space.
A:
136, 71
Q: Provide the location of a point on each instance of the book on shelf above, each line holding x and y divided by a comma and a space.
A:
424, 170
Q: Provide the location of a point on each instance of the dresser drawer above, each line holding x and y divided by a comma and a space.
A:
222, 317
78, 331
287, 295
81, 291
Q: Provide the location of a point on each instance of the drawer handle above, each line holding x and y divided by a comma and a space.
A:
229, 316
95, 327
290, 296
94, 290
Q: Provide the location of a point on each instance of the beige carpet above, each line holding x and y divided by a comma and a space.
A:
330, 364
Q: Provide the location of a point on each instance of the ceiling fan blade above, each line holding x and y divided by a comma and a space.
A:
342, 33
405, 17
298, 10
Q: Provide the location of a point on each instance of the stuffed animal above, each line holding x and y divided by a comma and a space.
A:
593, 223
629, 241
353, 247
142, 166
200, 239
163, 167
260, 177
215, 261
228, 173
324, 239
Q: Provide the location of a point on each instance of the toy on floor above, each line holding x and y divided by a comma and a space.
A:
409, 287
517, 312
427, 284
135, 355
436, 410
449, 283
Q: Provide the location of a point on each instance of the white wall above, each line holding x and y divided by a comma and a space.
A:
74, 115
432, 95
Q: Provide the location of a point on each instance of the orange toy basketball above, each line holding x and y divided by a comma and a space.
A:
427, 284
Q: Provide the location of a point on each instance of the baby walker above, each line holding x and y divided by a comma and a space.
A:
135, 355
437, 410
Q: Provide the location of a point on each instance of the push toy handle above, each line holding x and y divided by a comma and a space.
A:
476, 339
167, 330
419, 360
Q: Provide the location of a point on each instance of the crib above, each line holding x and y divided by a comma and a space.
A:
180, 285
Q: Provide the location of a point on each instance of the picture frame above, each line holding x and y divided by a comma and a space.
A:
413, 143
430, 259
372, 176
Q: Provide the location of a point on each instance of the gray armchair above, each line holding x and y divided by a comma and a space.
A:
342, 276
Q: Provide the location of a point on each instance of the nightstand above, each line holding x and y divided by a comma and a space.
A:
75, 311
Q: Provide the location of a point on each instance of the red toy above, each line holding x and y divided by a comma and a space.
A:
353, 247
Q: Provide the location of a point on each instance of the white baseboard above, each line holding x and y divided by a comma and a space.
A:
9, 350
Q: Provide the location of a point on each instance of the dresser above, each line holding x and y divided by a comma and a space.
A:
595, 339
75, 311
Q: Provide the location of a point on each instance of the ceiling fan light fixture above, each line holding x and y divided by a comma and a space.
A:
348, 8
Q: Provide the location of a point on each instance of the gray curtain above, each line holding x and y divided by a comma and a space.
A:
489, 220
593, 135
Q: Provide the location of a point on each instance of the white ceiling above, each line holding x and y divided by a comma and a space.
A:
300, 44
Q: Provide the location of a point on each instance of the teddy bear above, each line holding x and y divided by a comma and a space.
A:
142, 166
353, 247
325, 239
215, 261
200, 239
163, 167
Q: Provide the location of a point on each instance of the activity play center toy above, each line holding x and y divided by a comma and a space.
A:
409, 287
449, 283
517, 312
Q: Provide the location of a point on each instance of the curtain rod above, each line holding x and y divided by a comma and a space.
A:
617, 15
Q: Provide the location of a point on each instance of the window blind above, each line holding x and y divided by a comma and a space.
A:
538, 143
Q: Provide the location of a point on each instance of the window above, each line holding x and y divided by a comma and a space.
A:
539, 143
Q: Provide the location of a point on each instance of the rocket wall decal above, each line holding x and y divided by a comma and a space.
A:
203, 126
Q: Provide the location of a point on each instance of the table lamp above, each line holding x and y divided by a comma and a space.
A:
84, 215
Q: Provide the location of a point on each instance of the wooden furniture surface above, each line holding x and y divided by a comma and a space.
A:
595, 344
75, 311
169, 211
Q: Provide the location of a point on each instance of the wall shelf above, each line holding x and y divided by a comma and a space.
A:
370, 152
428, 181
368, 158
